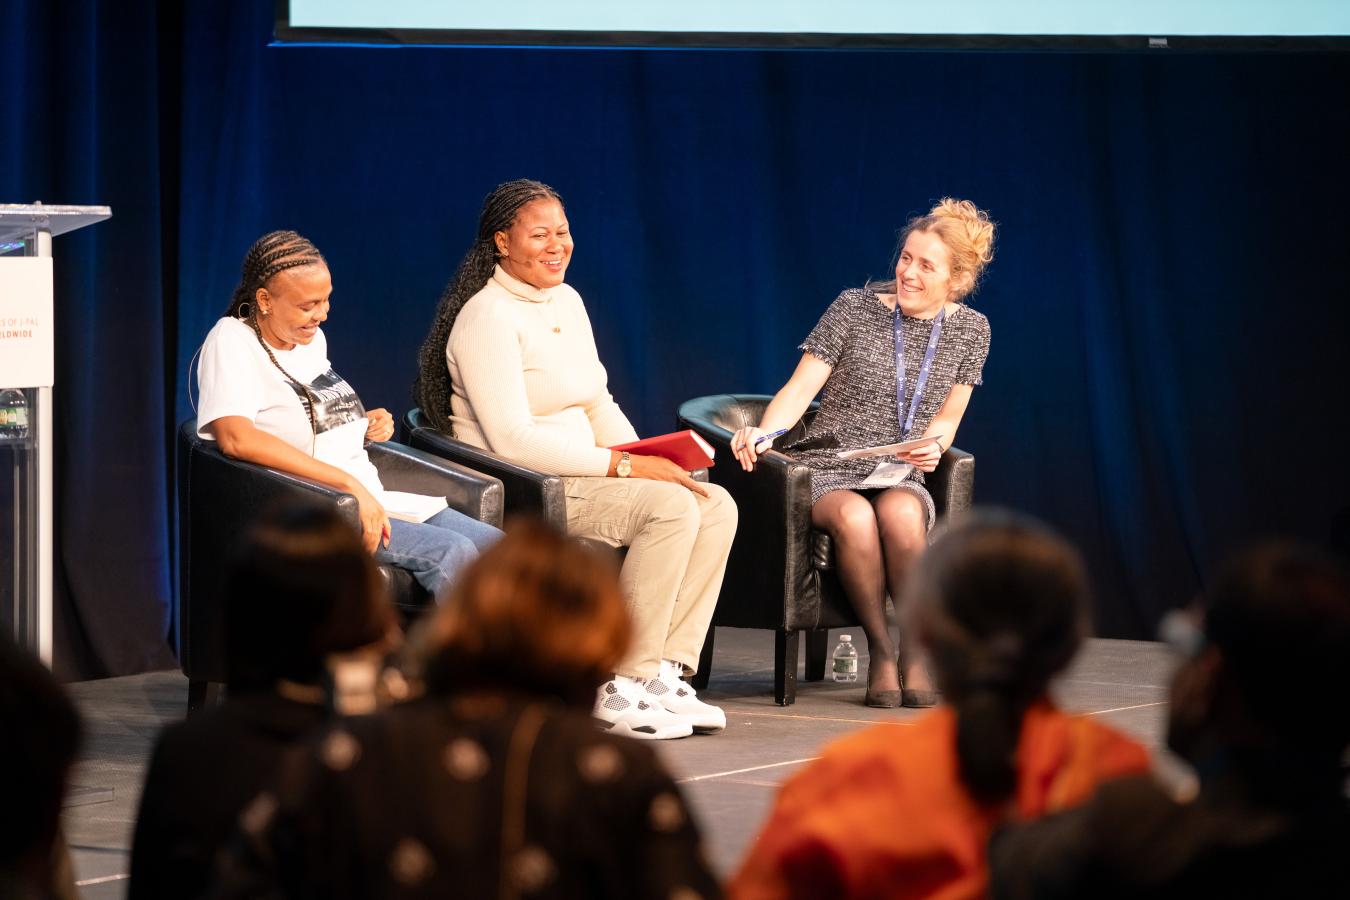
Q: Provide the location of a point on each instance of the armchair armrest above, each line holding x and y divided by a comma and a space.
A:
526, 491
779, 487
226, 489
952, 483
404, 468
770, 558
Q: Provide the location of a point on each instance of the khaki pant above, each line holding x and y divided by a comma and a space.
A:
677, 554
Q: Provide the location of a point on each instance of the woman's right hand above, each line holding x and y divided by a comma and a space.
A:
744, 447
658, 468
374, 520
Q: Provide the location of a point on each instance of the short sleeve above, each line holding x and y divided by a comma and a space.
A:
971, 368
826, 341
228, 379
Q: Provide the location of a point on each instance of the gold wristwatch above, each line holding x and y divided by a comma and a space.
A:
625, 466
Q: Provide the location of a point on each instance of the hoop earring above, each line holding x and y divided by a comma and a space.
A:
244, 311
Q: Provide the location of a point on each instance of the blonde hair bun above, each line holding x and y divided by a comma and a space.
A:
979, 228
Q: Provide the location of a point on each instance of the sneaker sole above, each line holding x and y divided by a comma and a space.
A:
701, 726
668, 733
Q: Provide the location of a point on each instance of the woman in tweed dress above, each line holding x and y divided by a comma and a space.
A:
851, 355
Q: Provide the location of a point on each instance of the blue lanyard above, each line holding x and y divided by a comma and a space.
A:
907, 421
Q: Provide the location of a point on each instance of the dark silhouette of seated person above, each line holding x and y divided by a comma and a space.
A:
301, 589
1270, 817
41, 737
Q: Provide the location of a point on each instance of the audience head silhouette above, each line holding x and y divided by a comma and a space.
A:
538, 612
1001, 604
301, 587
42, 734
1264, 689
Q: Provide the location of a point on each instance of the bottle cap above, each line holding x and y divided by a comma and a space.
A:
846, 637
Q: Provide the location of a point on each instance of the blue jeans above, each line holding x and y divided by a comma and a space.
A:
438, 549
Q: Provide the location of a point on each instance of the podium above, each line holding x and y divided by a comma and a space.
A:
27, 372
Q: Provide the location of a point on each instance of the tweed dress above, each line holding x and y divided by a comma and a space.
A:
855, 337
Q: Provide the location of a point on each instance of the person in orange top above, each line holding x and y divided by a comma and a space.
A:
895, 811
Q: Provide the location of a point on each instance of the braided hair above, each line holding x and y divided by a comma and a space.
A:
271, 254
432, 389
1002, 605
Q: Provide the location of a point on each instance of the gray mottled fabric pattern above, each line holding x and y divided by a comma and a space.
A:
857, 406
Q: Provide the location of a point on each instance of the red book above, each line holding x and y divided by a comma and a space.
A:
684, 448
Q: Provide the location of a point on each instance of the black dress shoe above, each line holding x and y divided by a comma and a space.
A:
916, 699
881, 699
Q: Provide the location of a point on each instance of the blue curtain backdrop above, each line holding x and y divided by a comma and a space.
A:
1167, 302
81, 122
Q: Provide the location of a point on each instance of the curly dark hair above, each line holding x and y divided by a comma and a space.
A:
431, 391
538, 612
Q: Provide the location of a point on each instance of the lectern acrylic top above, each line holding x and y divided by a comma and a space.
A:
20, 221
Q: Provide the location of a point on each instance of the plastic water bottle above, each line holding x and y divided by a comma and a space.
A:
844, 663
13, 415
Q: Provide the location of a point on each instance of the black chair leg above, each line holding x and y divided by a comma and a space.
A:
817, 645
202, 695
785, 667
700, 678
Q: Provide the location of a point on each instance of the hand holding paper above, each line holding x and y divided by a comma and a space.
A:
924, 458
903, 449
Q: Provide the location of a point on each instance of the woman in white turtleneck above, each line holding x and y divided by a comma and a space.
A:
510, 365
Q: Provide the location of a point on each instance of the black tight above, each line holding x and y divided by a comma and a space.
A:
876, 540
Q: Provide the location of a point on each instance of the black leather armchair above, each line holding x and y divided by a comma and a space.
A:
780, 574
218, 497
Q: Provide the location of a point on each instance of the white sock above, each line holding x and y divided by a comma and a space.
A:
672, 668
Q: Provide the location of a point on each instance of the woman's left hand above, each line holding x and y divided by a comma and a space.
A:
925, 458
381, 427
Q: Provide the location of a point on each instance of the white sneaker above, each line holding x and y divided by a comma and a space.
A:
678, 696
623, 708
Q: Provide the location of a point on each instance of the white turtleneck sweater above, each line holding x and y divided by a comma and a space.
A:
527, 380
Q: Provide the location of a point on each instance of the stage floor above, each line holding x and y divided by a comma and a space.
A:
729, 778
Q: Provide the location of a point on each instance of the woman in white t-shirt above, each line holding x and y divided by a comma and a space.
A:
269, 396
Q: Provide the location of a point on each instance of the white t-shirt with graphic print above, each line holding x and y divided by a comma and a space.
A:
237, 379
